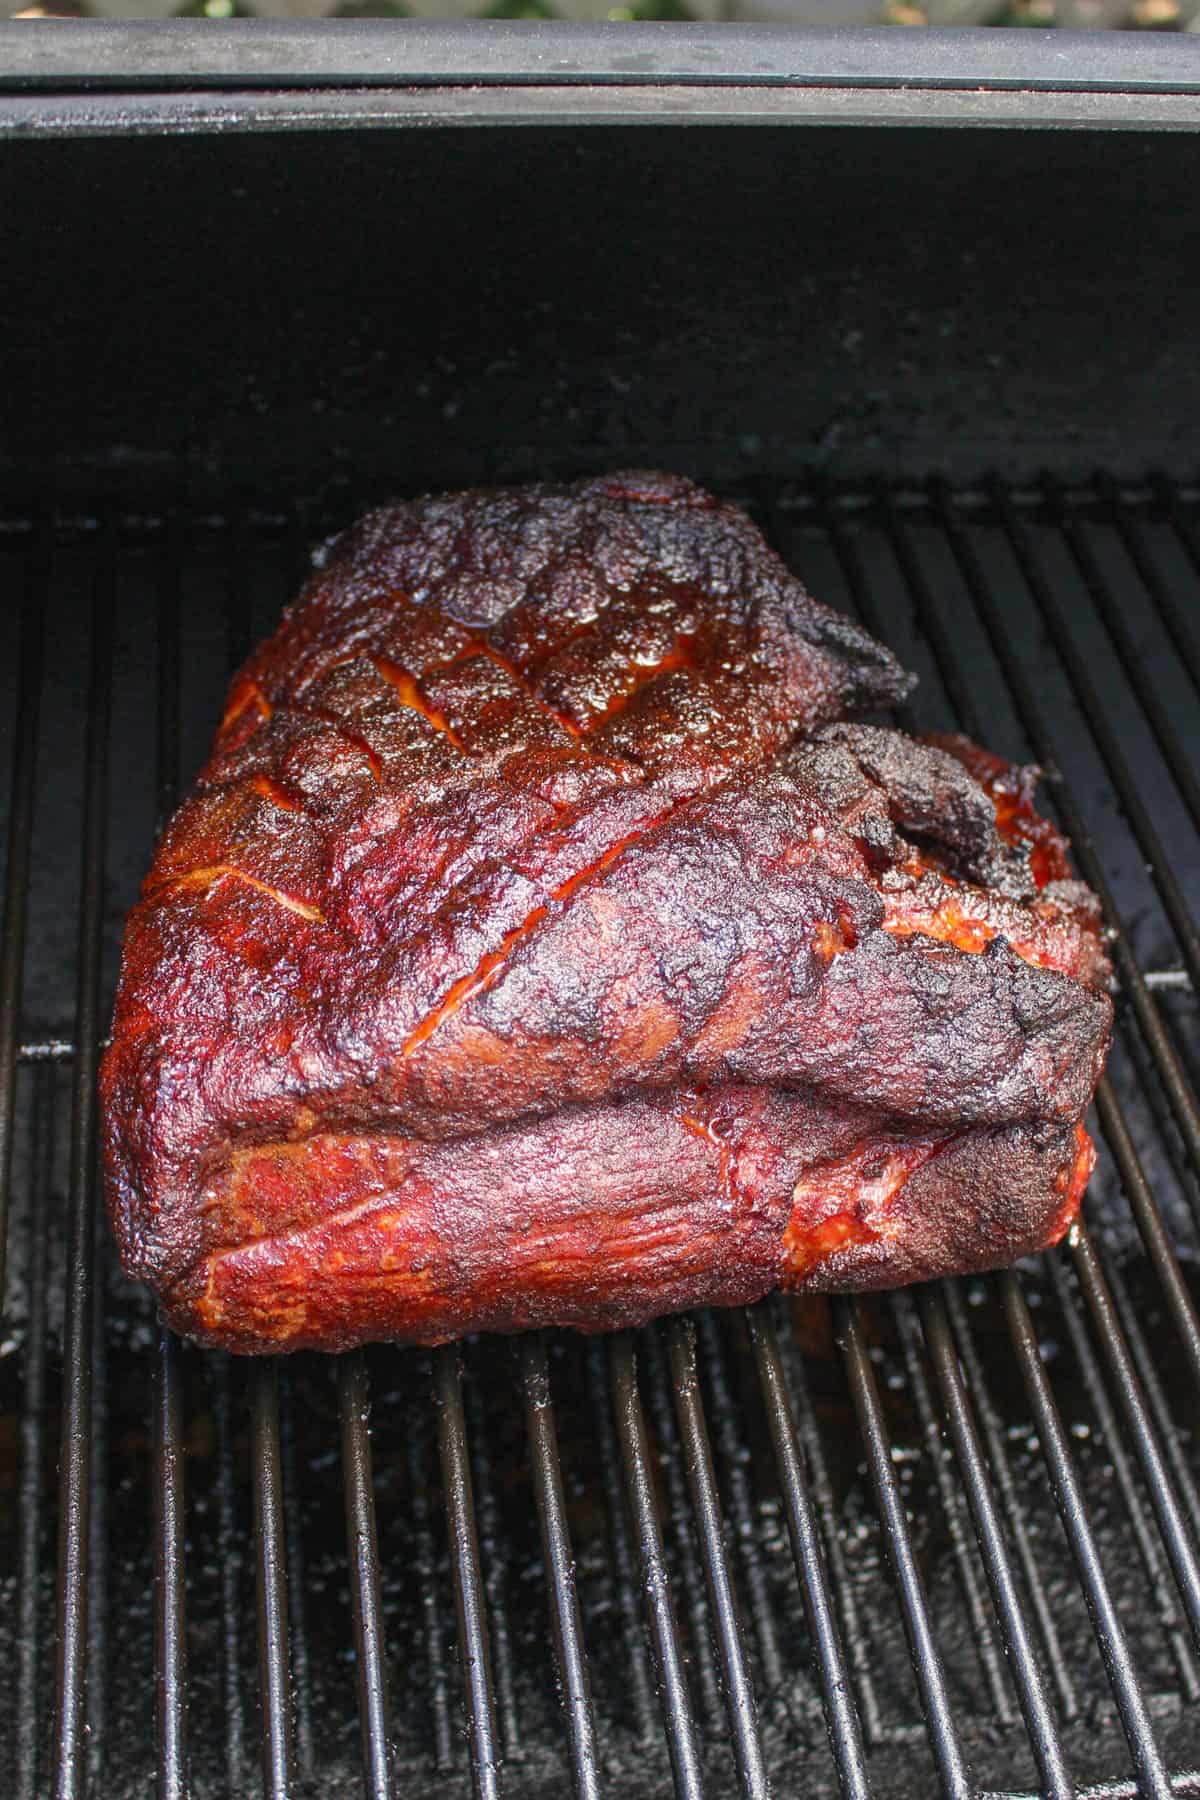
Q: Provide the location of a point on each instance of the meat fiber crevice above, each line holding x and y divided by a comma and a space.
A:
540, 945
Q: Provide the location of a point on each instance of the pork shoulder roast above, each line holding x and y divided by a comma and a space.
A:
540, 947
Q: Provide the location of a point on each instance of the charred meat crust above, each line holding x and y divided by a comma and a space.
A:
609, 1216
508, 858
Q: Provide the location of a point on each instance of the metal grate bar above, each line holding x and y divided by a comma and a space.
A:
1039, 1717
1068, 1492
1183, 1100
841, 1716
926, 1656
1123, 1375
1157, 1578
170, 1622
1186, 1051
1165, 734
353, 1396
706, 1508
75, 1473
1168, 981
1168, 497
274, 1672
1001, 1468
474, 1649
635, 1675
20, 844
692, 1583
1166, 1133
297, 1586
431, 1610
1149, 1222
1155, 1395
726, 1413
855, 1634
30, 1493
974, 1593
566, 1623
643, 1506
1103, 733
98, 1668
494, 1564
229, 1542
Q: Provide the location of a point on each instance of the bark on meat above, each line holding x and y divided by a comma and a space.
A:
538, 946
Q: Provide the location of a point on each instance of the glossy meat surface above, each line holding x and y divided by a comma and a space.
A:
536, 947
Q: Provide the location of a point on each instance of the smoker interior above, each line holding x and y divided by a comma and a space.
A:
945, 1540
358, 1540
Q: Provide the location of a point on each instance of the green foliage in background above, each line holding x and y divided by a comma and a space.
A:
519, 9
214, 9
666, 11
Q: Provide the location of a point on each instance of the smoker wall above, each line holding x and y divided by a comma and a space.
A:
444, 304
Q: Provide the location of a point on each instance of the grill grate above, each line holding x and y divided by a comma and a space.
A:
688, 1559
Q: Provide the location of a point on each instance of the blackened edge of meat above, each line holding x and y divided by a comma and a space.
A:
604, 1218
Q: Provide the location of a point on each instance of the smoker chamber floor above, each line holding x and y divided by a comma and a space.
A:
943, 1541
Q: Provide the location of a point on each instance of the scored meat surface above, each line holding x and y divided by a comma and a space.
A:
539, 947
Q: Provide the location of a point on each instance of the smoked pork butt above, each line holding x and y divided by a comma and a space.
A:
539, 946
